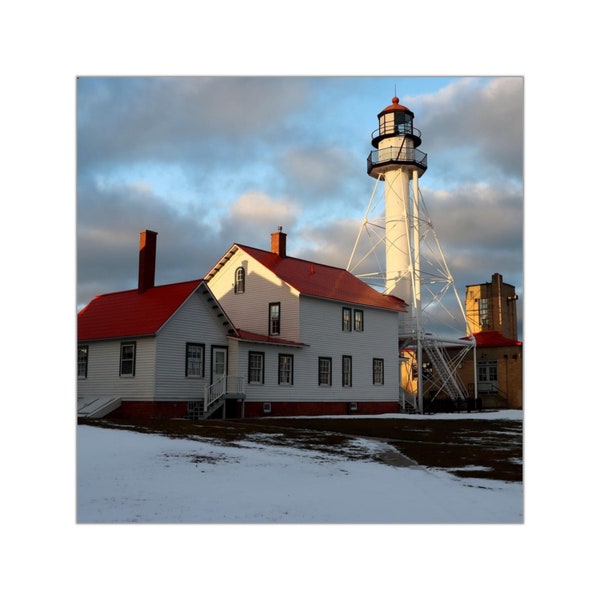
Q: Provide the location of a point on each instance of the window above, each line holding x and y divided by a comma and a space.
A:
256, 367
194, 360
127, 363
240, 281
346, 371
286, 369
483, 312
378, 371
358, 320
267, 408
324, 371
274, 318
346, 319
82, 361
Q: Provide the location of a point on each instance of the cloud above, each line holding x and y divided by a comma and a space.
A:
178, 118
210, 161
475, 125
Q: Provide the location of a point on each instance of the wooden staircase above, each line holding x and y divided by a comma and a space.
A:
215, 395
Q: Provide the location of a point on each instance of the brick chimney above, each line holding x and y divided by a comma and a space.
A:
147, 260
278, 242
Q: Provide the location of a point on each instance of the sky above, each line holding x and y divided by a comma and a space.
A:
211, 161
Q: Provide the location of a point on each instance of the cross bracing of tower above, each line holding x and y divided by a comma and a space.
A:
436, 319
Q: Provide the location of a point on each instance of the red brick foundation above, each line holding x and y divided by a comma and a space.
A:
150, 410
315, 409
139, 409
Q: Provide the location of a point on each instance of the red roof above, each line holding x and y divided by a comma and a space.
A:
493, 339
395, 105
131, 313
322, 281
249, 336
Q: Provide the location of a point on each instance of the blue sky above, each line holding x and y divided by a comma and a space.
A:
209, 161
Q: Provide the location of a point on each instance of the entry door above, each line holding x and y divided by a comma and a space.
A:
487, 376
219, 363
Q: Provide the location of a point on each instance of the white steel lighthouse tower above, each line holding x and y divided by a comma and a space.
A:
397, 161
415, 268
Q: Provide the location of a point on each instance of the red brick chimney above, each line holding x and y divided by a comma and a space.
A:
278, 242
147, 260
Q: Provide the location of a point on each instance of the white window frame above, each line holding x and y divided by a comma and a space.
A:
378, 370
83, 353
285, 375
346, 371
274, 318
325, 367
126, 360
256, 372
189, 360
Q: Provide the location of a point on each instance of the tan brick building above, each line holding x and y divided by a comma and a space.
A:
491, 310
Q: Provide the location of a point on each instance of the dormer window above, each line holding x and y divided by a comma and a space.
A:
240, 280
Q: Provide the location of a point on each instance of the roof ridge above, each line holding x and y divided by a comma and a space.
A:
163, 285
304, 260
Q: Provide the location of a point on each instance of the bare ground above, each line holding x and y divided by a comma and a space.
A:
476, 448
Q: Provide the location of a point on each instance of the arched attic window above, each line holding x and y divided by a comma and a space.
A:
240, 280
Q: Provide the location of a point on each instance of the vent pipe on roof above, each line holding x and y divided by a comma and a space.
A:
147, 264
278, 240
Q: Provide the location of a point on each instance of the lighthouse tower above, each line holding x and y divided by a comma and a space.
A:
397, 161
414, 266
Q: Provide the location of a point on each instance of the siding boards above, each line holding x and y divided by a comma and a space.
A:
103, 370
321, 324
197, 322
312, 321
250, 310
322, 330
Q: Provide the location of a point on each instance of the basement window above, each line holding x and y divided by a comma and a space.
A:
127, 362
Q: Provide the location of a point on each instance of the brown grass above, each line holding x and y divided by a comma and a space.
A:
488, 449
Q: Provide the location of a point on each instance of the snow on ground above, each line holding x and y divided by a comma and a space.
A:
129, 477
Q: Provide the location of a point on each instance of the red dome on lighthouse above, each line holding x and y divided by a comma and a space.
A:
395, 105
